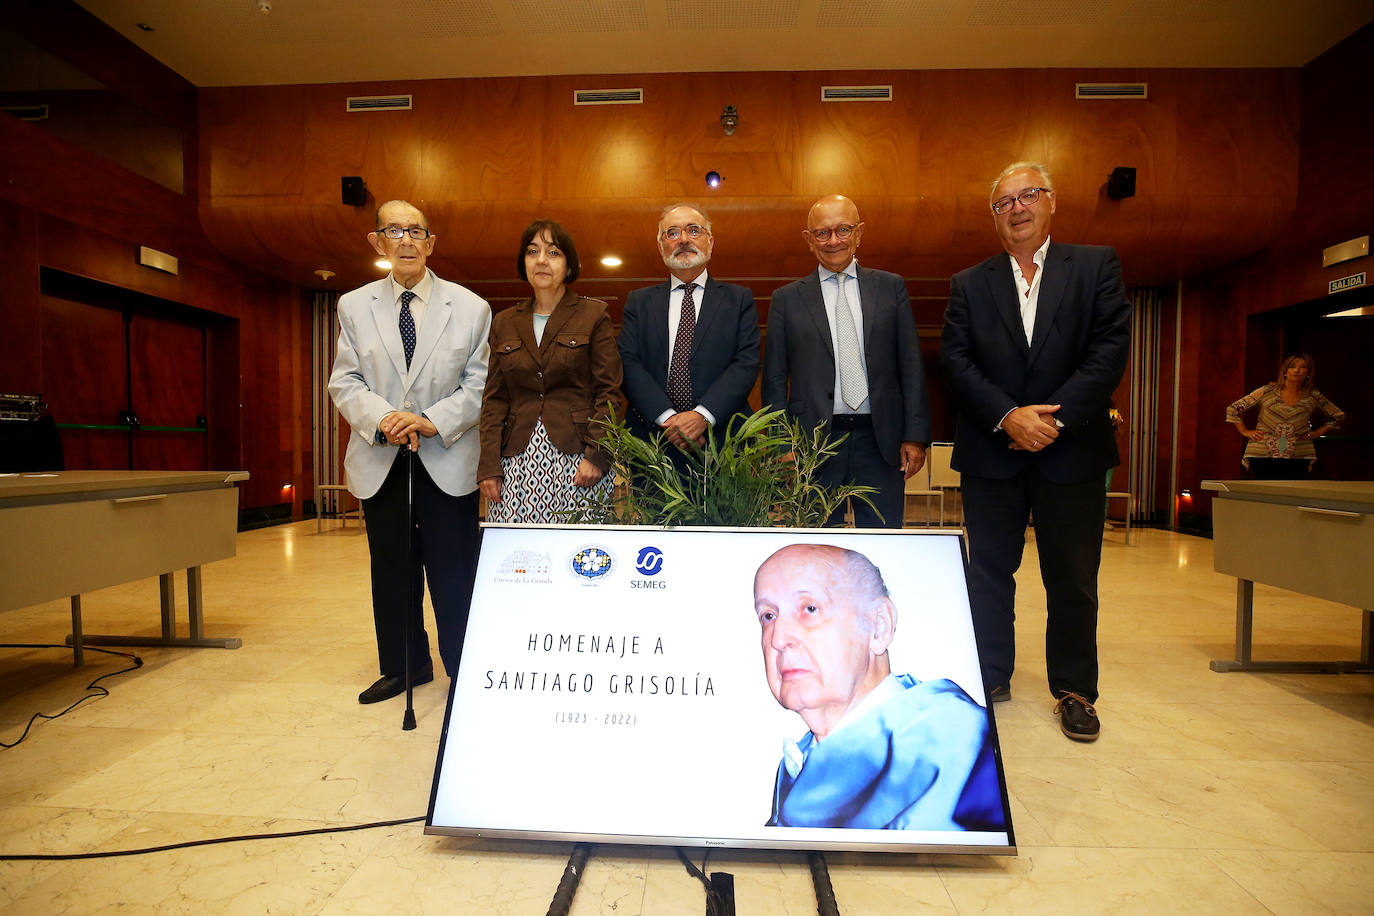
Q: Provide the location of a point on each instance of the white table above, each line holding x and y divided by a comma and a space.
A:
65, 533
1315, 537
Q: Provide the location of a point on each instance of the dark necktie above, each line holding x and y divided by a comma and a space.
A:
407, 326
679, 370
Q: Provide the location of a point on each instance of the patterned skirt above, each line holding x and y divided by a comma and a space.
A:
538, 484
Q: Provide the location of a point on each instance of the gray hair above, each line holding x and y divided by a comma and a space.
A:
705, 217
865, 579
424, 220
1045, 178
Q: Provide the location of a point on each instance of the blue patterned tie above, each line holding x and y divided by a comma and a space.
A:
407, 326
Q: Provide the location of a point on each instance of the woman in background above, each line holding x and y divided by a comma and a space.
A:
554, 370
1283, 428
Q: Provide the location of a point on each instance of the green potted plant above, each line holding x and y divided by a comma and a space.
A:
760, 473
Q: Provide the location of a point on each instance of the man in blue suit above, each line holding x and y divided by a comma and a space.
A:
883, 751
856, 368
411, 365
1035, 341
690, 346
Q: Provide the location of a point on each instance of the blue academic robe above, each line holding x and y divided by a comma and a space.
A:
919, 760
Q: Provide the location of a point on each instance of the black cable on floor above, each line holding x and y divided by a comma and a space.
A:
92, 686
826, 904
715, 906
572, 875
43, 857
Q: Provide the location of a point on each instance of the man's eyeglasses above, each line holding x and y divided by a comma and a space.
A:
693, 232
823, 235
1026, 197
418, 233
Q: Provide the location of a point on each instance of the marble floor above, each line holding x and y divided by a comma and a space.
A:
1207, 793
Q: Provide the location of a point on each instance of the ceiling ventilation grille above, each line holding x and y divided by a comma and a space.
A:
1111, 90
379, 103
608, 96
856, 93
26, 112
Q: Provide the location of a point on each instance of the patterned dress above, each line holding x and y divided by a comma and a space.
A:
1281, 424
538, 488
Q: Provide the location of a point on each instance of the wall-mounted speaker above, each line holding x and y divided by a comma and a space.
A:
1121, 183
355, 190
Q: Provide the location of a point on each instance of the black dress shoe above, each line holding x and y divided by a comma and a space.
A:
1077, 717
384, 688
1000, 694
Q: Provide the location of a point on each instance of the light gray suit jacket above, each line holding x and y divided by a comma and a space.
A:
447, 373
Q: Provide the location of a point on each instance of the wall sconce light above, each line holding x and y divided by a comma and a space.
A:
713, 179
729, 120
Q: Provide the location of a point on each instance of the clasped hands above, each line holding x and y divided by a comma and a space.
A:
1032, 428
686, 427
401, 427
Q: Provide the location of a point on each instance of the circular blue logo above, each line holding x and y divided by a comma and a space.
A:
650, 561
592, 563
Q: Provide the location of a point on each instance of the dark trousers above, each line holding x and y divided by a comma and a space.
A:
859, 462
446, 539
1068, 537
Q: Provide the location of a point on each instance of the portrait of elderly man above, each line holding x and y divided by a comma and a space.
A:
882, 751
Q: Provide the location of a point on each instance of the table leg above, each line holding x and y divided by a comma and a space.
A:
167, 593
1366, 637
1245, 631
197, 620
78, 656
196, 639
1245, 619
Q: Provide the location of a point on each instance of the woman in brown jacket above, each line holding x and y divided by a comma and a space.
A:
554, 369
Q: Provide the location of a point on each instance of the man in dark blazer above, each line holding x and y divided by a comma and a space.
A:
409, 373
1035, 341
880, 400
688, 371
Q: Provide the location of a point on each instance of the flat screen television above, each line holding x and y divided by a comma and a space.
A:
764, 688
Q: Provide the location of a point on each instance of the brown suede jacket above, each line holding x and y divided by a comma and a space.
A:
568, 380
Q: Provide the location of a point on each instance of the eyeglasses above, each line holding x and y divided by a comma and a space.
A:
823, 235
418, 233
1027, 197
693, 232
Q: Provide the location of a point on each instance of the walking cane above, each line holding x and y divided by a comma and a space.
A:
408, 722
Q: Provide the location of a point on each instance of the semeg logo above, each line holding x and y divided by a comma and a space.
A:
650, 561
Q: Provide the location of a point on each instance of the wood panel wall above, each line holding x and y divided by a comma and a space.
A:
484, 156
69, 210
1335, 203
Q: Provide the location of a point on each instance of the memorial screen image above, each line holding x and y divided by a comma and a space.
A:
749, 688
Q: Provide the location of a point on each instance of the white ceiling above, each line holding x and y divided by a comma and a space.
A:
233, 43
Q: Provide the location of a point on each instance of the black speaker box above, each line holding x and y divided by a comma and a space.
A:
1121, 183
355, 190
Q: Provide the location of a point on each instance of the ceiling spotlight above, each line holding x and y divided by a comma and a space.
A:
611, 260
144, 26
729, 120
382, 264
713, 179
264, 6
324, 273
